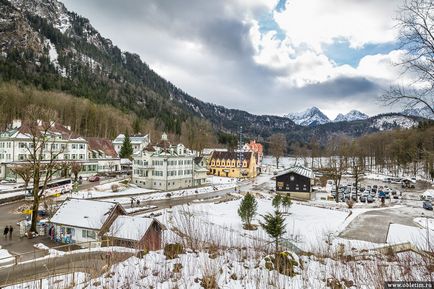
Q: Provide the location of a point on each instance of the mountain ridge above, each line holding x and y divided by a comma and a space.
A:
46, 45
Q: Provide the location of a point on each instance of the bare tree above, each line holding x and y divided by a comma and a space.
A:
338, 150
25, 171
76, 168
416, 27
42, 152
278, 146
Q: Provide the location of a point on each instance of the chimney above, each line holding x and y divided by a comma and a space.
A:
16, 123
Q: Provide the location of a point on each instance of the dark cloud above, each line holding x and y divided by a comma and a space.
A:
342, 87
205, 48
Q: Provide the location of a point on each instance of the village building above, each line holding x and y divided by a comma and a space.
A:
165, 166
232, 164
102, 158
257, 149
138, 142
83, 222
297, 182
16, 142
136, 232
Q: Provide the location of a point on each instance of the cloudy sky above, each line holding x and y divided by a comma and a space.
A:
263, 56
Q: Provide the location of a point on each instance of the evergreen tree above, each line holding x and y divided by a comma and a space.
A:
277, 201
274, 225
126, 151
286, 203
247, 210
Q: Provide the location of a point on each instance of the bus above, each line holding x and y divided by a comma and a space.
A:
55, 187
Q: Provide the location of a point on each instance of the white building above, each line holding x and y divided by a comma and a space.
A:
102, 157
83, 221
166, 167
139, 142
96, 155
16, 145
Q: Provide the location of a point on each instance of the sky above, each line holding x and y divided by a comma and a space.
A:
262, 56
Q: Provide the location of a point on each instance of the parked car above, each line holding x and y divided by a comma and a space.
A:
94, 179
427, 205
9, 181
370, 199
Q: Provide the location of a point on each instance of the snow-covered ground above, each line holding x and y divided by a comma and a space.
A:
308, 226
173, 194
242, 269
5, 257
422, 237
105, 190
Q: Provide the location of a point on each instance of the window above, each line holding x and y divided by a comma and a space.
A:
74, 146
291, 178
22, 145
82, 146
88, 234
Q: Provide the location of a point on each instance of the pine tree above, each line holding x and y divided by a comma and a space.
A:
277, 201
247, 210
286, 203
274, 225
126, 151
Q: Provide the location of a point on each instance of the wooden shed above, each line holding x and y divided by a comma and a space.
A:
136, 232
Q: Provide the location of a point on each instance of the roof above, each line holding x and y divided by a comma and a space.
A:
102, 144
198, 160
299, 170
24, 129
83, 213
131, 228
255, 147
222, 155
134, 139
208, 151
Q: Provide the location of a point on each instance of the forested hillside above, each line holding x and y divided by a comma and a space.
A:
51, 56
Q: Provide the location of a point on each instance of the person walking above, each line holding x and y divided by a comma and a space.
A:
11, 229
5, 232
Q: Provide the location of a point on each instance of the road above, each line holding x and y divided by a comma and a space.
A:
93, 263
373, 226
177, 201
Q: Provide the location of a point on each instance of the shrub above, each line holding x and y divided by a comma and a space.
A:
171, 251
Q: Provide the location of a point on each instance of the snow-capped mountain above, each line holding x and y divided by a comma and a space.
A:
310, 117
392, 121
424, 112
351, 116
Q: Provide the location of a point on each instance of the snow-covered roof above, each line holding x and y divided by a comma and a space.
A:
130, 228
83, 213
126, 162
300, 170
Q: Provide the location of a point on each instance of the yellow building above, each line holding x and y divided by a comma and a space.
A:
227, 164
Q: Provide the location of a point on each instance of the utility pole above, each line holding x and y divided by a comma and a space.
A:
240, 150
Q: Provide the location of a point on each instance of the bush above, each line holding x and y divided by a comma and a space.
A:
209, 282
171, 251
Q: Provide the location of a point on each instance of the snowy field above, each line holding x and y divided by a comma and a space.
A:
308, 226
422, 237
